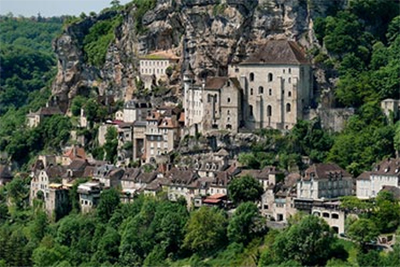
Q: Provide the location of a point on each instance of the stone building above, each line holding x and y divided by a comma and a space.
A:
136, 110
162, 133
182, 183
324, 181
139, 136
46, 185
222, 98
35, 118
271, 89
193, 101
277, 85
89, 195
267, 176
385, 173
135, 179
57, 201
331, 212
153, 67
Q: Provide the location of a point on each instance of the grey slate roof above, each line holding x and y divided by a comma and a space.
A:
278, 52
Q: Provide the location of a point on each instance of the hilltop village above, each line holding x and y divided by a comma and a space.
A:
272, 89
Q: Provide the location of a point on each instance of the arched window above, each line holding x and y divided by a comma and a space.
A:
229, 100
290, 70
251, 110
269, 111
261, 90
288, 107
251, 91
289, 94
251, 77
270, 77
270, 91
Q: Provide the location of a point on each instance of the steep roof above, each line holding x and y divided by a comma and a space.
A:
77, 164
324, 171
278, 52
388, 167
55, 171
48, 111
168, 123
75, 153
215, 82
364, 176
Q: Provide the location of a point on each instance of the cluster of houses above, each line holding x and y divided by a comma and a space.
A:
273, 88
317, 190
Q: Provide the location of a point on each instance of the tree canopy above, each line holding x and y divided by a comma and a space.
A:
246, 188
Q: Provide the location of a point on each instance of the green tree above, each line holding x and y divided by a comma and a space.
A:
245, 189
43, 256
107, 247
245, 223
18, 192
77, 103
205, 230
386, 214
111, 145
308, 242
109, 202
363, 231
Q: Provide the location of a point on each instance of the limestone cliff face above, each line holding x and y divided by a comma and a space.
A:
208, 34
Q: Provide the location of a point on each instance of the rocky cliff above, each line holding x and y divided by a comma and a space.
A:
208, 34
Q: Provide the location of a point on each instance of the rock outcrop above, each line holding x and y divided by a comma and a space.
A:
207, 34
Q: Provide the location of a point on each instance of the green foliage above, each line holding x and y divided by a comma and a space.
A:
205, 230
18, 193
97, 41
245, 189
94, 111
366, 139
77, 103
307, 138
244, 224
363, 231
142, 7
386, 214
109, 201
26, 58
110, 147
308, 242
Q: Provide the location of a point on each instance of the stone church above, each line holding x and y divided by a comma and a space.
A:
271, 89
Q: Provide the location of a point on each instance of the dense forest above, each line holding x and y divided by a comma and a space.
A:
28, 66
359, 46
